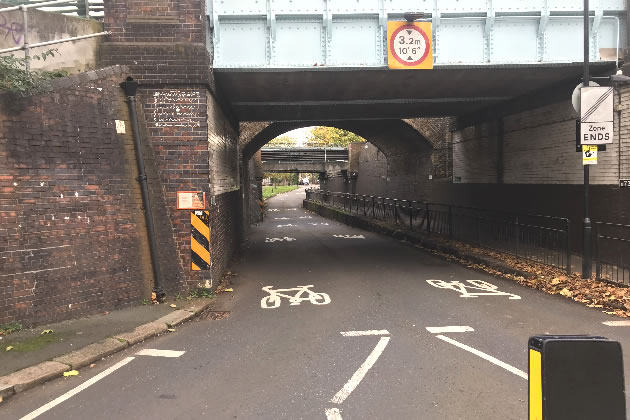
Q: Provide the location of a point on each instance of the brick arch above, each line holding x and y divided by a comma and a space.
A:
392, 137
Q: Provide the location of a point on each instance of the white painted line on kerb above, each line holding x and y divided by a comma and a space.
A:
451, 329
361, 333
361, 372
485, 356
333, 414
76, 390
617, 323
160, 353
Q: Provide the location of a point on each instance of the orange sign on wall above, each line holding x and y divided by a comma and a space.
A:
409, 45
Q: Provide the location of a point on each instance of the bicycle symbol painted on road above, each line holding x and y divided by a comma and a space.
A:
273, 300
286, 238
350, 236
474, 289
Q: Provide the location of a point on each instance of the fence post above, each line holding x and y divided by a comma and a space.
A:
395, 211
426, 207
373, 211
344, 202
450, 222
410, 215
568, 245
383, 203
517, 234
598, 265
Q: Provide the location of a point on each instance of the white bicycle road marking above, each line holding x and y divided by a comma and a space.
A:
350, 236
160, 353
485, 356
361, 372
362, 333
450, 329
287, 225
76, 390
333, 414
292, 209
281, 218
273, 300
617, 323
306, 217
274, 209
319, 224
286, 238
475, 289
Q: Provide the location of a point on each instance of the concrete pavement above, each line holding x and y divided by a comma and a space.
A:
271, 359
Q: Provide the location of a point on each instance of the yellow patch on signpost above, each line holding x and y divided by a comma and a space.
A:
409, 45
589, 154
535, 385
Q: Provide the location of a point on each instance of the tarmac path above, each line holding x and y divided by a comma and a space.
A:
354, 345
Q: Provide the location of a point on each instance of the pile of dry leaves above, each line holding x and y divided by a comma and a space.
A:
612, 299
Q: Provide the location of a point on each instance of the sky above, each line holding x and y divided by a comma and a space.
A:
300, 135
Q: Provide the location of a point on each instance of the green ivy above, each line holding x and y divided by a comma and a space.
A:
16, 80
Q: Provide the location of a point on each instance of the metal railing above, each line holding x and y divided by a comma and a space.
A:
542, 239
612, 252
26, 46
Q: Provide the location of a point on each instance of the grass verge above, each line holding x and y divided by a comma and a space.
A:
270, 191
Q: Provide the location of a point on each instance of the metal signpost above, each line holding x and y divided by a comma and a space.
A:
587, 261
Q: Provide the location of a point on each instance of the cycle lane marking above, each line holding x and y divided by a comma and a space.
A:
474, 289
358, 376
333, 414
274, 297
76, 390
449, 329
160, 353
362, 333
616, 323
484, 356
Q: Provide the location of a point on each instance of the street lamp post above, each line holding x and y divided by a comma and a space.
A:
587, 260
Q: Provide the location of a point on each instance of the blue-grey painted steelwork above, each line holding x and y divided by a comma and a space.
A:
352, 33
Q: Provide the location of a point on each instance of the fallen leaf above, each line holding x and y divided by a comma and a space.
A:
555, 281
566, 292
92, 365
9, 348
46, 331
229, 290
172, 305
171, 329
71, 373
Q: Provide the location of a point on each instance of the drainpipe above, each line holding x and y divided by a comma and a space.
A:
130, 86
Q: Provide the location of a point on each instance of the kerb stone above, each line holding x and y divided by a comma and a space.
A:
91, 353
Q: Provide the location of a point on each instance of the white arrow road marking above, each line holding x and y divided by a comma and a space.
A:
333, 414
361, 372
451, 329
361, 333
485, 356
160, 353
76, 390
617, 323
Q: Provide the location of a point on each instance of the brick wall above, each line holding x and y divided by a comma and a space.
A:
73, 239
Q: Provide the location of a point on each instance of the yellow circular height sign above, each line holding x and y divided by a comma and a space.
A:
409, 45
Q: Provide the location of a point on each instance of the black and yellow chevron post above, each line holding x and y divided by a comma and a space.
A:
200, 239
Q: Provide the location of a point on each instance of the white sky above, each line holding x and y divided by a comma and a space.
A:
300, 135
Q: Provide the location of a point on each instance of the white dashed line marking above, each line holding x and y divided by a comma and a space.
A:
617, 323
451, 329
362, 333
160, 353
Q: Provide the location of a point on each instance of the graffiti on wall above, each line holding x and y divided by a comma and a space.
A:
176, 108
15, 30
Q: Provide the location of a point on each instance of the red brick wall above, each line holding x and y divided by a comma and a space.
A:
72, 233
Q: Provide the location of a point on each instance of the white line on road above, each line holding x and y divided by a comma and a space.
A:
485, 356
361, 333
333, 414
451, 329
617, 323
160, 353
361, 372
76, 390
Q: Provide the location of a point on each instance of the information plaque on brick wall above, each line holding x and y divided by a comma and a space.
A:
191, 200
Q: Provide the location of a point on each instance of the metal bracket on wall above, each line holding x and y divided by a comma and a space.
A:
599, 14
487, 32
271, 21
435, 27
542, 30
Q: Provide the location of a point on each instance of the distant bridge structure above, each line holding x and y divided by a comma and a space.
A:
328, 161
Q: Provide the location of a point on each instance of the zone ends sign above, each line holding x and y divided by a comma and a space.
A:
409, 45
596, 105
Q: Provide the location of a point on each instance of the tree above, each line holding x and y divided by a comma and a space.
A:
282, 141
332, 137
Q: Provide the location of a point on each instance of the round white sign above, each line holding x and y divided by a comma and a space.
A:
409, 45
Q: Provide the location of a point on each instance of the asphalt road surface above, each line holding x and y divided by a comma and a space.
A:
277, 358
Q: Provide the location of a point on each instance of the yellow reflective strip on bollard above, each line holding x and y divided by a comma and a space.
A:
535, 386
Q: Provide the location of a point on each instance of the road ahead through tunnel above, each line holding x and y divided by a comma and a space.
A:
369, 338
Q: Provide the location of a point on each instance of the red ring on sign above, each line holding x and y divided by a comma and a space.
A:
426, 43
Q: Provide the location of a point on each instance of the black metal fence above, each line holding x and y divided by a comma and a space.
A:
543, 239
612, 252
